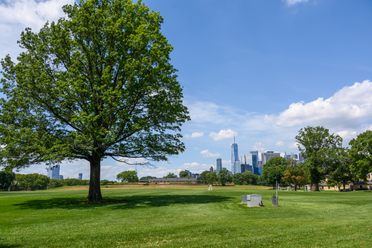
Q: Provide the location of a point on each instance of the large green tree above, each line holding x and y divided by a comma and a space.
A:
361, 154
273, 170
340, 172
318, 147
127, 176
224, 176
95, 84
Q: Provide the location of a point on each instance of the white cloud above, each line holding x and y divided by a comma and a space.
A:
206, 153
196, 135
279, 143
16, 15
347, 108
223, 134
31, 13
195, 167
294, 2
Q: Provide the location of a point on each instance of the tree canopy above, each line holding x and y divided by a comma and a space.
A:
95, 84
273, 170
318, 147
361, 154
127, 176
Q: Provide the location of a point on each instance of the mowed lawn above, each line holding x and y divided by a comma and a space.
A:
184, 216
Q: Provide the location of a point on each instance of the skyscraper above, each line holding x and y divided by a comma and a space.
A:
235, 163
81, 176
254, 158
218, 165
266, 156
53, 171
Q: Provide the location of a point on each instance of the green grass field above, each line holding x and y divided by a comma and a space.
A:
184, 216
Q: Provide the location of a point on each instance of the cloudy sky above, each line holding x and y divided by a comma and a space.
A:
257, 70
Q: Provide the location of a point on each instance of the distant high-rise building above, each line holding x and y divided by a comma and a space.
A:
53, 171
235, 163
254, 158
266, 156
211, 169
218, 165
81, 176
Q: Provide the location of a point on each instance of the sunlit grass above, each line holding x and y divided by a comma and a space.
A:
184, 216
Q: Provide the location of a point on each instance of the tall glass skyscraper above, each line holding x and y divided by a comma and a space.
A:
218, 165
235, 163
53, 171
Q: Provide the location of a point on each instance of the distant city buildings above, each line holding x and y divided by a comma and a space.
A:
80, 176
257, 160
218, 165
235, 162
53, 172
266, 156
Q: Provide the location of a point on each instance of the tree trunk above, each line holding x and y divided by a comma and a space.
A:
343, 185
295, 187
315, 187
95, 195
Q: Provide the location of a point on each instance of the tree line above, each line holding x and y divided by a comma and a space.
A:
325, 160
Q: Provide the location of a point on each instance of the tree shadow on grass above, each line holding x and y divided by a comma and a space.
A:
2, 245
126, 202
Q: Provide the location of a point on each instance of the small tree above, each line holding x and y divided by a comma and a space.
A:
249, 178
273, 170
224, 176
95, 84
127, 176
6, 179
296, 175
170, 175
208, 177
184, 173
317, 146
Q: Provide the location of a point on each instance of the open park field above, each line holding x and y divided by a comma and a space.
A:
184, 216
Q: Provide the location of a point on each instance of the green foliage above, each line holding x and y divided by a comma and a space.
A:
273, 170
361, 155
74, 182
245, 178
184, 173
340, 172
208, 177
224, 176
297, 175
318, 147
146, 178
127, 176
6, 179
96, 84
55, 183
31, 181
170, 175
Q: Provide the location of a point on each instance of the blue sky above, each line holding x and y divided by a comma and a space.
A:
259, 70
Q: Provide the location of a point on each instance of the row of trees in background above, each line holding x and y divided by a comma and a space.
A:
9, 181
325, 159
224, 177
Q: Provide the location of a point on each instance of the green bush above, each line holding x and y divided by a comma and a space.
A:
31, 181
74, 182
55, 183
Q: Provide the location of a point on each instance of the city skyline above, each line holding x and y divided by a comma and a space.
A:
256, 70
